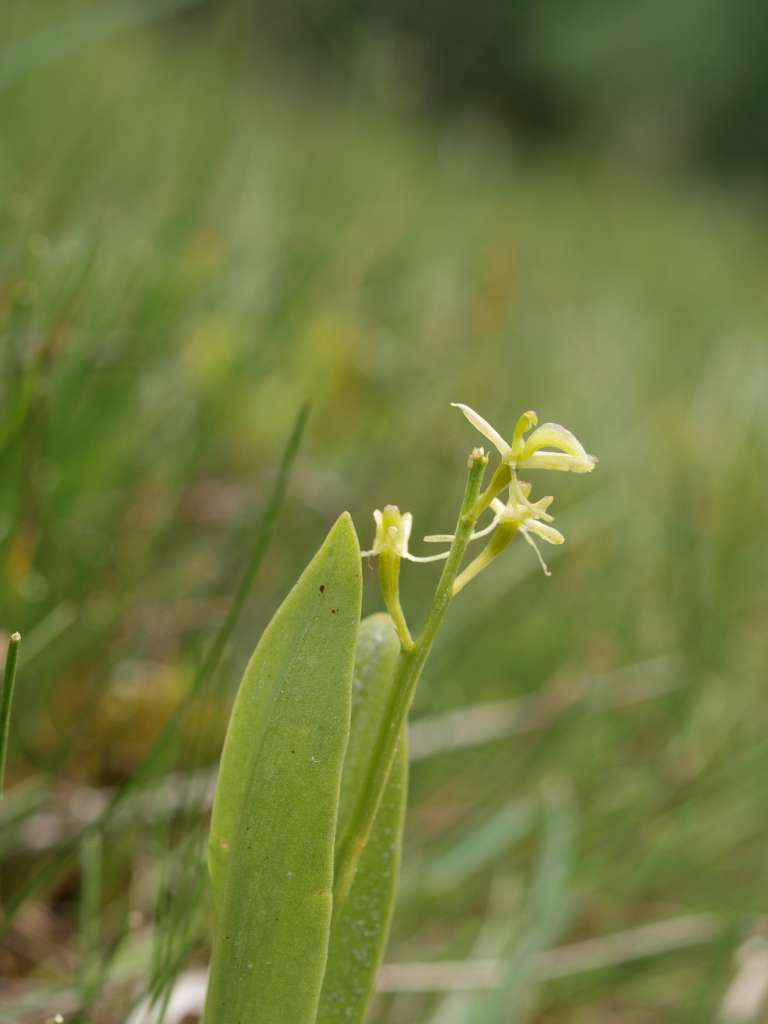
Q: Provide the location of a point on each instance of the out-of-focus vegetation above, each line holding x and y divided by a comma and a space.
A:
685, 80
192, 243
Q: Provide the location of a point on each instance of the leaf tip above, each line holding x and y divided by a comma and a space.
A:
343, 531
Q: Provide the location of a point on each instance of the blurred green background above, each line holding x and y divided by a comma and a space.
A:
213, 212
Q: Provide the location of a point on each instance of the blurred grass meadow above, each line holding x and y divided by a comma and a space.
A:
198, 235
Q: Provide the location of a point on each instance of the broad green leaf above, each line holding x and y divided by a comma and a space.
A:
361, 920
274, 817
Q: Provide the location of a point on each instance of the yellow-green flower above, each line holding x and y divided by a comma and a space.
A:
530, 519
535, 451
516, 515
390, 544
393, 531
549, 446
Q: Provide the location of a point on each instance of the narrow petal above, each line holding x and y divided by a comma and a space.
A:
547, 533
543, 503
558, 460
425, 558
525, 422
448, 538
485, 428
533, 544
476, 534
541, 507
377, 538
406, 525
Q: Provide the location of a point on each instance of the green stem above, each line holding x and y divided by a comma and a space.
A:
389, 577
9, 681
499, 481
500, 539
408, 671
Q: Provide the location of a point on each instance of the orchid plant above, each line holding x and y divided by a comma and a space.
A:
307, 822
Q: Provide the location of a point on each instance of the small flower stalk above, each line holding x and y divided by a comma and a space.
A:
532, 447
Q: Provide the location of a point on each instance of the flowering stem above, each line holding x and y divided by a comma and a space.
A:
408, 671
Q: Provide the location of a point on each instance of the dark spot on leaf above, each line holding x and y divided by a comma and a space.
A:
333, 611
322, 588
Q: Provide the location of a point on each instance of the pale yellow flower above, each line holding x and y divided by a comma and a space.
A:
550, 446
393, 531
390, 544
530, 519
517, 515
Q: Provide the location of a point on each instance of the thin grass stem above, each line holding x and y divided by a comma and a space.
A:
6, 702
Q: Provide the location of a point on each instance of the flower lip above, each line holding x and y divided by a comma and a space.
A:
569, 453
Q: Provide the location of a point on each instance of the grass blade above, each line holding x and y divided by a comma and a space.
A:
6, 702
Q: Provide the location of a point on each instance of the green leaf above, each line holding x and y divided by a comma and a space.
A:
274, 818
361, 919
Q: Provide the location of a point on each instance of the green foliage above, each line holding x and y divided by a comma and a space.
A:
189, 249
274, 818
684, 79
361, 920
543, 918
